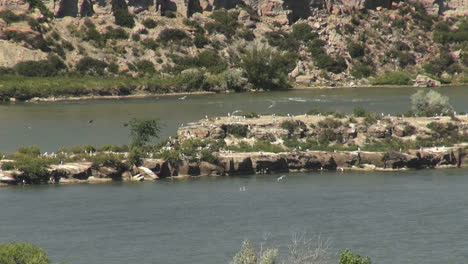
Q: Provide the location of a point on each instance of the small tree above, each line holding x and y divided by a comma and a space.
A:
348, 257
22, 253
143, 130
430, 103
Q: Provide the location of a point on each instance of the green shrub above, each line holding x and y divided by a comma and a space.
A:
360, 112
239, 131
282, 40
234, 80
150, 43
348, 257
443, 130
360, 71
108, 160
207, 155
430, 103
444, 34
247, 35
115, 33
34, 170
169, 14
170, 155
149, 23
44, 68
122, 17
10, 17
136, 37
225, 23
251, 115
22, 253
67, 45
33, 151
303, 32
145, 67
315, 47
200, 41
356, 50
292, 125
88, 65
172, 35
330, 123
143, 130
392, 78
438, 66
267, 69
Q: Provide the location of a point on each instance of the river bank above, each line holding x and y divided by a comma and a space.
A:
253, 144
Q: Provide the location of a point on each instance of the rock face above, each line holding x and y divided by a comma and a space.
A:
425, 81
11, 54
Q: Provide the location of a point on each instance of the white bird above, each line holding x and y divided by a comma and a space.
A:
242, 189
237, 111
281, 178
229, 114
206, 117
321, 168
359, 149
341, 169
183, 97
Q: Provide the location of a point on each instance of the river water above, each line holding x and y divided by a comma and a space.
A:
394, 217
397, 217
52, 125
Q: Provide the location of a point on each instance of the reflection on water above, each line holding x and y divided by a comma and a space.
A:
397, 217
52, 125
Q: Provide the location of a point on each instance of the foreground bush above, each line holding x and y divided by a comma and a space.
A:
22, 253
430, 103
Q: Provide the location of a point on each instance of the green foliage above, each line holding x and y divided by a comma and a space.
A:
108, 160
33, 150
234, 80
200, 40
324, 61
44, 68
34, 169
259, 145
150, 43
430, 103
356, 50
292, 125
360, 112
169, 155
115, 33
22, 253
282, 40
122, 17
88, 65
149, 23
172, 35
330, 123
303, 32
267, 69
348, 257
251, 115
10, 17
392, 78
225, 23
143, 130
444, 34
361, 70
239, 131
438, 66
443, 130
145, 67
207, 155
42, 8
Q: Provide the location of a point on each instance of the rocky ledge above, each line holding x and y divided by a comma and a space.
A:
238, 145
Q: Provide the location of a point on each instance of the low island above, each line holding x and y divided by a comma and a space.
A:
255, 144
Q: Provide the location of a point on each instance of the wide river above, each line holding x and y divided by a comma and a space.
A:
394, 217
53, 125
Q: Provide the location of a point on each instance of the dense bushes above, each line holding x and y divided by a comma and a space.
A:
430, 103
43, 68
360, 71
22, 253
88, 65
356, 50
267, 69
208, 59
282, 40
439, 65
122, 17
172, 35
444, 34
392, 78
225, 23
149, 23
303, 32
323, 60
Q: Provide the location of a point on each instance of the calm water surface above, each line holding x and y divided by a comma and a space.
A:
398, 217
52, 125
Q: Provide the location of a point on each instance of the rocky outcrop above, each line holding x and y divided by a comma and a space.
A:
11, 54
425, 81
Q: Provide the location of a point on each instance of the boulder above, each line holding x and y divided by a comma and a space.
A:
147, 173
210, 169
74, 170
425, 81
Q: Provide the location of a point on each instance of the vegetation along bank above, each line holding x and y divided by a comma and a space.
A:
120, 48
